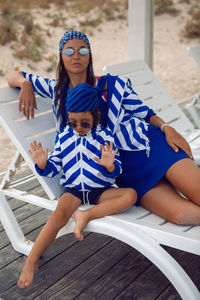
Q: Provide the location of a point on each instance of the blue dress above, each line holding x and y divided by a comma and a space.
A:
143, 172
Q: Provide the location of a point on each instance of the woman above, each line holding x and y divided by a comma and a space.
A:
156, 160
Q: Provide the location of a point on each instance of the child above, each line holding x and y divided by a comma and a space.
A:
85, 152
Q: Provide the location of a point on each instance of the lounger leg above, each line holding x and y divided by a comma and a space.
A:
12, 228
14, 165
150, 248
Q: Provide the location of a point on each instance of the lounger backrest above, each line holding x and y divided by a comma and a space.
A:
22, 132
151, 92
195, 53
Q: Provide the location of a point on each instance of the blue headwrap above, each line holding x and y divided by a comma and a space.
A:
82, 98
71, 35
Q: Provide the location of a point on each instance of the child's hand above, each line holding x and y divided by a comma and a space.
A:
107, 157
38, 154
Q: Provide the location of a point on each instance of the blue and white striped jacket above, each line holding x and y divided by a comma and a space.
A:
74, 155
127, 115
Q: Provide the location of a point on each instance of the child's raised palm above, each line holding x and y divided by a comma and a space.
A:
38, 154
107, 157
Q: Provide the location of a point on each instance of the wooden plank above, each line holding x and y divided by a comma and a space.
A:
27, 225
52, 271
23, 212
78, 280
116, 279
153, 283
192, 266
17, 204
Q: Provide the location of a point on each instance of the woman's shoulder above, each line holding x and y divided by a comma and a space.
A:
34, 76
109, 81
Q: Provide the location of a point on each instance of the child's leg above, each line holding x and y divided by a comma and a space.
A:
111, 201
67, 204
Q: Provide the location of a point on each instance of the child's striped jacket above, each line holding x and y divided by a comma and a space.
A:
74, 155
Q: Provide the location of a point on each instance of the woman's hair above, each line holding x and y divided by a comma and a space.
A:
62, 77
96, 116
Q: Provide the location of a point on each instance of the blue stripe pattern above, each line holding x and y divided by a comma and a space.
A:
128, 117
75, 156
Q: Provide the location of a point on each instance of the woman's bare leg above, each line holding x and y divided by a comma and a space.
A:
66, 206
110, 201
185, 177
167, 203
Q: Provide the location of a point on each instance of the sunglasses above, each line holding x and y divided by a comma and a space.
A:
83, 124
71, 51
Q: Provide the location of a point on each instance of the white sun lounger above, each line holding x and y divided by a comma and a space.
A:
195, 53
136, 226
194, 106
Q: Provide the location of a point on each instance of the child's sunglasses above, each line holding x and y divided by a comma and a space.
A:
71, 51
83, 124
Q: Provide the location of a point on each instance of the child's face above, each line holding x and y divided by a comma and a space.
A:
81, 122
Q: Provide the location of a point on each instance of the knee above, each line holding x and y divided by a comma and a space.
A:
59, 218
131, 196
178, 217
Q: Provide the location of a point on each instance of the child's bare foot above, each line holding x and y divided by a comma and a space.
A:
81, 220
26, 276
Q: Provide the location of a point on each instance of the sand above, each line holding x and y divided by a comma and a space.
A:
173, 65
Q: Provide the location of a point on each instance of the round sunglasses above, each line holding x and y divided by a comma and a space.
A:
85, 125
71, 51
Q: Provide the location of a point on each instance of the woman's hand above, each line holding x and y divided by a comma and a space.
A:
38, 154
175, 140
27, 102
107, 157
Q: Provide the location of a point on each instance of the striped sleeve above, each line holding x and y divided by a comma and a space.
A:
44, 87
133, 105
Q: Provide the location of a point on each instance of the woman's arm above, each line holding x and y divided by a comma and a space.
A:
174, 139
27, 102
133, 105
15, 79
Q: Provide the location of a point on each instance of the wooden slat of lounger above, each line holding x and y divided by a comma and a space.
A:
195, 230
178, 228
8, 94
132, 213
37, 125
32, 126
43, 105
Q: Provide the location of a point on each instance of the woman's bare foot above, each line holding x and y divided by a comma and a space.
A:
27, 275
81, 220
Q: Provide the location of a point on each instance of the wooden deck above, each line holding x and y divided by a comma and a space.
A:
99, 267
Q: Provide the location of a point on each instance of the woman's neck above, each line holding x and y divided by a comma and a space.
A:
77, 79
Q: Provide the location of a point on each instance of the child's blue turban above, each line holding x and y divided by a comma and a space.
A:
82, 98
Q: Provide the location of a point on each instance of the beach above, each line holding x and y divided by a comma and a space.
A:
172, 64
